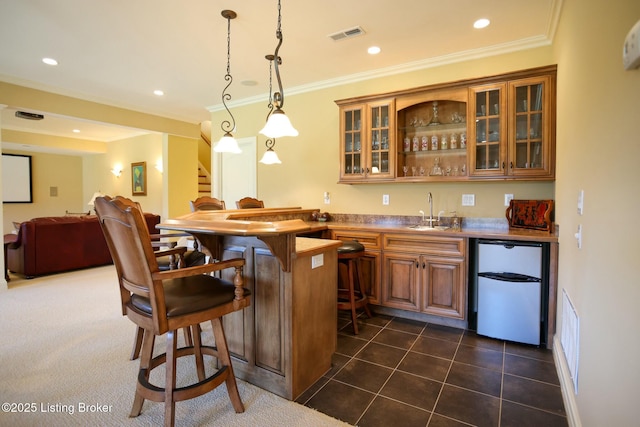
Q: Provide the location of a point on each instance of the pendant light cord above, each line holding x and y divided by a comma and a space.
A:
227, 126
278, 97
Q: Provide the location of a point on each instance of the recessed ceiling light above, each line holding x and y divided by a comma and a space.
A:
76, 131
249, 83
49, 61
158, 92
481, 23
373, 50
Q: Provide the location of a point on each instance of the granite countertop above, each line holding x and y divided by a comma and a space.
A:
492, 228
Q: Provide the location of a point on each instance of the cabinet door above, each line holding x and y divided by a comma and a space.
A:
370, 265
400, 281
488, 131
351, 136
443, 287
531, 128
380, 151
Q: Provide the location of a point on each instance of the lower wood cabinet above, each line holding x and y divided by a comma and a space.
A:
417, 272
425, 274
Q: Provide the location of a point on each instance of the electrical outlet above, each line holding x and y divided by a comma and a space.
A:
317, 261
327, 198
385, 199
507, 199
468, 200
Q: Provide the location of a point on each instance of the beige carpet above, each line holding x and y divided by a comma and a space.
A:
65, 357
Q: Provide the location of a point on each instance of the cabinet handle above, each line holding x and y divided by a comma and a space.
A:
511, 165
502, 165
424, 265
417, 264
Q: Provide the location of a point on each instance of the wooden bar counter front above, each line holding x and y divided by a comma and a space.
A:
285, 340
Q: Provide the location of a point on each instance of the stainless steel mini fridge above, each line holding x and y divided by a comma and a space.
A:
509, 290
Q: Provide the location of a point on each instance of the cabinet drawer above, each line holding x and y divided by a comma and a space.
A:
435, 245
371, 241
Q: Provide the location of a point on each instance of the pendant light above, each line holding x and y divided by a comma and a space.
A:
278, 124
227, 143
270, 157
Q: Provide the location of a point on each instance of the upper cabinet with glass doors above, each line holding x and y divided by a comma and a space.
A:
499, 127
513, 131
367, 148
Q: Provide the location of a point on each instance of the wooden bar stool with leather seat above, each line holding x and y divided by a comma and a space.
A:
351, 296
162, 302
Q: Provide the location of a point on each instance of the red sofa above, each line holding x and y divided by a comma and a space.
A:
56, 244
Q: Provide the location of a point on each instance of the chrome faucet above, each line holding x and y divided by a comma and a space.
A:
430, 200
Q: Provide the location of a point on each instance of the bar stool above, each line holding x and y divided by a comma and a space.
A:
351, 296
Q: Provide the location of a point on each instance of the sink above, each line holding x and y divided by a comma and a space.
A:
428, 228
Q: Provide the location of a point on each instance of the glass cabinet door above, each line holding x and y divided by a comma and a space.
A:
530, 134
488, 133
352, 139
379, 140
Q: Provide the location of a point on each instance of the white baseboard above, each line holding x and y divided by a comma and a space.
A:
566, 385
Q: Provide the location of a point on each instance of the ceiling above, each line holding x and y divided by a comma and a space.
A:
118, 52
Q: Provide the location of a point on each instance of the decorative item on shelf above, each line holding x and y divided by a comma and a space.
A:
270, 157
434, 120
405, 170
227, 143
407, 144
416, 143
425, 143
443, 142
278, 124
436, 170
454, 141
463, 140
434, 142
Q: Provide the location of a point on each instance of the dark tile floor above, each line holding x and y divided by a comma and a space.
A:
410, 373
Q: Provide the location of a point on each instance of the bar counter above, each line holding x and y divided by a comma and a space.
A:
285, 340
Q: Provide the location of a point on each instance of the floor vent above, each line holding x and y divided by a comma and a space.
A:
570, 337
351, 32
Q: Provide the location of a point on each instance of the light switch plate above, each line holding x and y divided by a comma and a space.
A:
468, 200
580, 202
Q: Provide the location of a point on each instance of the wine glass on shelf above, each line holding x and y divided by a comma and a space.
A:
405, 170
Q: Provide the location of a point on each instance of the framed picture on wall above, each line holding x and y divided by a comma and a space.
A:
139, 179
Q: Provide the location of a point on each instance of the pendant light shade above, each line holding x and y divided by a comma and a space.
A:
278, 125
270, 157
227, 143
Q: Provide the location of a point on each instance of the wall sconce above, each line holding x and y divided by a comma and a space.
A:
117, 170
158, 165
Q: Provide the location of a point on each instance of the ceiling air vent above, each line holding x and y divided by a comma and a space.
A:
351, 32
29, 116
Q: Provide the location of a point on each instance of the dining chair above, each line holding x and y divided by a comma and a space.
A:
205, 203
249, 202
162, 302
